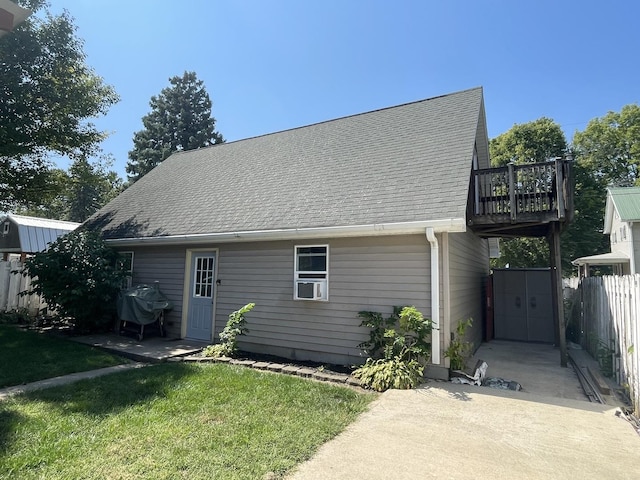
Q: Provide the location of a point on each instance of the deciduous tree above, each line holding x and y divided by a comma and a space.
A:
610, 147
49, 94
532, 142
80, 276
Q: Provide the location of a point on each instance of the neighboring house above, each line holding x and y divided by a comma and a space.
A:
23, 235
622, 224
315, 224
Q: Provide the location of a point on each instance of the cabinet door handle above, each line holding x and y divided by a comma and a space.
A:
533, 302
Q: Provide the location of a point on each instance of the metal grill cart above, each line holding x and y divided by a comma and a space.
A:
142, 306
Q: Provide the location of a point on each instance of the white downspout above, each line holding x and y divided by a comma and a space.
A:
435, 296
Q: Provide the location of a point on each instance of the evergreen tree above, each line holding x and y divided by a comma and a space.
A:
78, 193
180, 119
90, 187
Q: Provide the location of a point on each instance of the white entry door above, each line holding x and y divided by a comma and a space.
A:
200, 316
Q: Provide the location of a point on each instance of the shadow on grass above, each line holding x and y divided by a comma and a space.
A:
113, 393
9, 420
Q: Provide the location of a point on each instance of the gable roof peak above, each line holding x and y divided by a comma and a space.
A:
478, 89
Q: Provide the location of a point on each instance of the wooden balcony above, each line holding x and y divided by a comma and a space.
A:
521, 200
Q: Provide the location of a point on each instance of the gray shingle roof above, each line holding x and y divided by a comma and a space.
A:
400, 164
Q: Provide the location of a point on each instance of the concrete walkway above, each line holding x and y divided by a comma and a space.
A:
548, 430
452, 431
535, 366
151, 350
65, 379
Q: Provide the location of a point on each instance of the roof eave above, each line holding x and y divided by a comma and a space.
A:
449, 225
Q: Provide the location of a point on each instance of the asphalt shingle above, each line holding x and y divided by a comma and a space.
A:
400, 164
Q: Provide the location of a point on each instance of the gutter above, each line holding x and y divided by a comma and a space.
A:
435, 296
375, 229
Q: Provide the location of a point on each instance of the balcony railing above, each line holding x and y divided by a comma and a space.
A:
535, 192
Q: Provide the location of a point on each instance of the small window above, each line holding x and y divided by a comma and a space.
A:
5, 227
126, 264
311, 273
623, 232
613, 238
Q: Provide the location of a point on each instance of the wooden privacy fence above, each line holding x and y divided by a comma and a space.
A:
611, 330
11, 284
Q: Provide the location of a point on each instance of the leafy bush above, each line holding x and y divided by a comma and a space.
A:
236, 326
398, 347
17, 317
459, 350
383, 374
79, 276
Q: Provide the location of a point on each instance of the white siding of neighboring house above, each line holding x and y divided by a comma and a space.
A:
620, 239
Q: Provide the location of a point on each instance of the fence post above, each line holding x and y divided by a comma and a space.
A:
5, 272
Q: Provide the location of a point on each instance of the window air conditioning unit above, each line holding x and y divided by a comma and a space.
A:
307, 290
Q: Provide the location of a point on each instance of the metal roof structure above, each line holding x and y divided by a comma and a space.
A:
625, 201
21, 234
611, 258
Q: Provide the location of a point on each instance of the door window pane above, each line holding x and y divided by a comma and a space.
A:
203, 277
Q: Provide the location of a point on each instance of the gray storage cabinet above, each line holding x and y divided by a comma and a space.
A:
523, 305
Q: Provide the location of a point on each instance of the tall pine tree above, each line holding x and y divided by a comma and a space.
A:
180, 119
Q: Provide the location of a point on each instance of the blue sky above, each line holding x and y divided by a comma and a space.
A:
271, 65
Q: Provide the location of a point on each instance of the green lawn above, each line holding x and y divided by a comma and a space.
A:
173, 421
29, 356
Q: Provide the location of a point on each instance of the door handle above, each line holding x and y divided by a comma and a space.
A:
518, 302
533, 302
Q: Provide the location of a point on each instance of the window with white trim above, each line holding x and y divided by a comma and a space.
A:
126, 264
311, 272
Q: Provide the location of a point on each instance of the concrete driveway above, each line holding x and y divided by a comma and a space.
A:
442, 430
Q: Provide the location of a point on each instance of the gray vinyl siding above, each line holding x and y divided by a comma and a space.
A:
468, 269
374, 273
11, 240
165, 265
364, 274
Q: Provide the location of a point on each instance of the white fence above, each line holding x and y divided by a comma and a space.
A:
610, 326
11, 284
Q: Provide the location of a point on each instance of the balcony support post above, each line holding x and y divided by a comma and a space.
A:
512, 192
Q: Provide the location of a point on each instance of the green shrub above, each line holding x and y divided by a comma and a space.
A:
459, 350
383, 374
17, 317
398, 347
79, 276
236, 326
